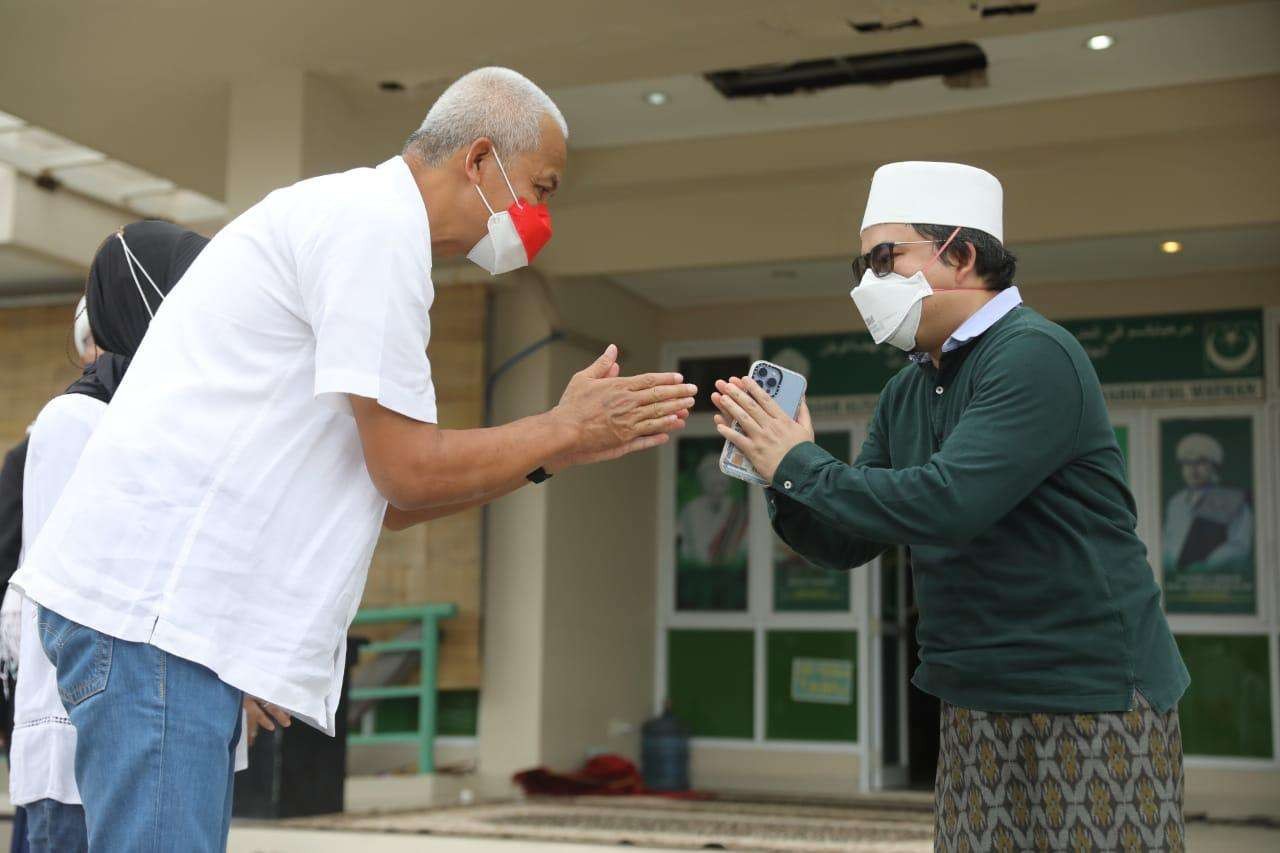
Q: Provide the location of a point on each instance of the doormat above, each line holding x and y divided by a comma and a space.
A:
655, 822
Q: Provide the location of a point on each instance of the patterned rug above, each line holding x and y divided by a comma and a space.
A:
871, 827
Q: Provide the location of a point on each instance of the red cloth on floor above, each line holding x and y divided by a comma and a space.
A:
603, 775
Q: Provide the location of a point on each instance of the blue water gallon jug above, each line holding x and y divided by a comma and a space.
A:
664, 753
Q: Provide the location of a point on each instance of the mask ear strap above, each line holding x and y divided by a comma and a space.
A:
941, 249
483, 199
131, 261
502, 169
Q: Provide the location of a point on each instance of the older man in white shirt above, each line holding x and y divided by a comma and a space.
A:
216, 535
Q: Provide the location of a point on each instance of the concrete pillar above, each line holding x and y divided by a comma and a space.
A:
266, 136
569, 603
509, 731
601, 582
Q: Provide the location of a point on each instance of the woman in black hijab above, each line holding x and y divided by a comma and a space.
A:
130, 275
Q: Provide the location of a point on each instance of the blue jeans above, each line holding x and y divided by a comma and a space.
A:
155, 740
54, 827
18, 842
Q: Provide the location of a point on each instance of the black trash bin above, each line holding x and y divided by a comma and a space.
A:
297, 771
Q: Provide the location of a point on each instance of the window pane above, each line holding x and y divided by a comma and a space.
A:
710, 681
1227, 708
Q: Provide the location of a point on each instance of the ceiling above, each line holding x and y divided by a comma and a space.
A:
148, 82
1136, 256
1046, 64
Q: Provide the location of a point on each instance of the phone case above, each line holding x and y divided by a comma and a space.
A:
787, 393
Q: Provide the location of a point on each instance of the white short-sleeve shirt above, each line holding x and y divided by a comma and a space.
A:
222, 510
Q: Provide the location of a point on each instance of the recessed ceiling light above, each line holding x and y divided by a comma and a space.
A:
1101, 41
1171, 247
656, 99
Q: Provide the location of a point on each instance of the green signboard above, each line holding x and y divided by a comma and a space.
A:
1207, 531
711, 530
797, 585
812, 688
845, 371
1184, 358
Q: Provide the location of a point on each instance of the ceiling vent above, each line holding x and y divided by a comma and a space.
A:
938, 14
959, 61
996, 10
883, 27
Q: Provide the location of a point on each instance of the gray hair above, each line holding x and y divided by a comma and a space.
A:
497, 103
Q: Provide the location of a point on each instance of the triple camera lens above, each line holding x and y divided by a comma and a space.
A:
769, 378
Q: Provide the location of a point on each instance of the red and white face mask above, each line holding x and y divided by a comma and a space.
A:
516, 234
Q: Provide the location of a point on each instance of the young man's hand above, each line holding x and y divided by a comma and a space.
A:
768, 433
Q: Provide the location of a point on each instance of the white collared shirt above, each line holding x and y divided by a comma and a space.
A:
222, 510
980, 321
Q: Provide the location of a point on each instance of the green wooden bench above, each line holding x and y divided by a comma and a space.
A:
427, 645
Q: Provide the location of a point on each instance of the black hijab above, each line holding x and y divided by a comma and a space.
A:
123, 292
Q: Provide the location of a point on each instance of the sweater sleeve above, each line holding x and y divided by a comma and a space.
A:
814, 536
1021, 424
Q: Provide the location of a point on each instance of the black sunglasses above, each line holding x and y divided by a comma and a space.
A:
880, 259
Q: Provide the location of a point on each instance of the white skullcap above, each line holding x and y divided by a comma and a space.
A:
80, 331
1199, 447
936, 194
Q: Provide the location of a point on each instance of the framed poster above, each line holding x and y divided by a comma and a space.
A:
1207, 520
711, 530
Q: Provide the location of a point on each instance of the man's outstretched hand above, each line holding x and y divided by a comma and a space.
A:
616, 415
768, 433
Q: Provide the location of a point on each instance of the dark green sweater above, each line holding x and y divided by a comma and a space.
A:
1002, 473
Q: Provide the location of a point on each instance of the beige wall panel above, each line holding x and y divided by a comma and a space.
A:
775, 771
35, 347
511, 714
440, 561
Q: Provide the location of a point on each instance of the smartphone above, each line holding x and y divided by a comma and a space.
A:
786, 387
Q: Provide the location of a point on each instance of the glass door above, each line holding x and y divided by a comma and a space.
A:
890, 628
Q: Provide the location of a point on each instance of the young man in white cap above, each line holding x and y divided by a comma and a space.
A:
992, 457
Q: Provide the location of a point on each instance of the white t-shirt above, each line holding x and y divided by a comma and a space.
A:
42, 756
222, 510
